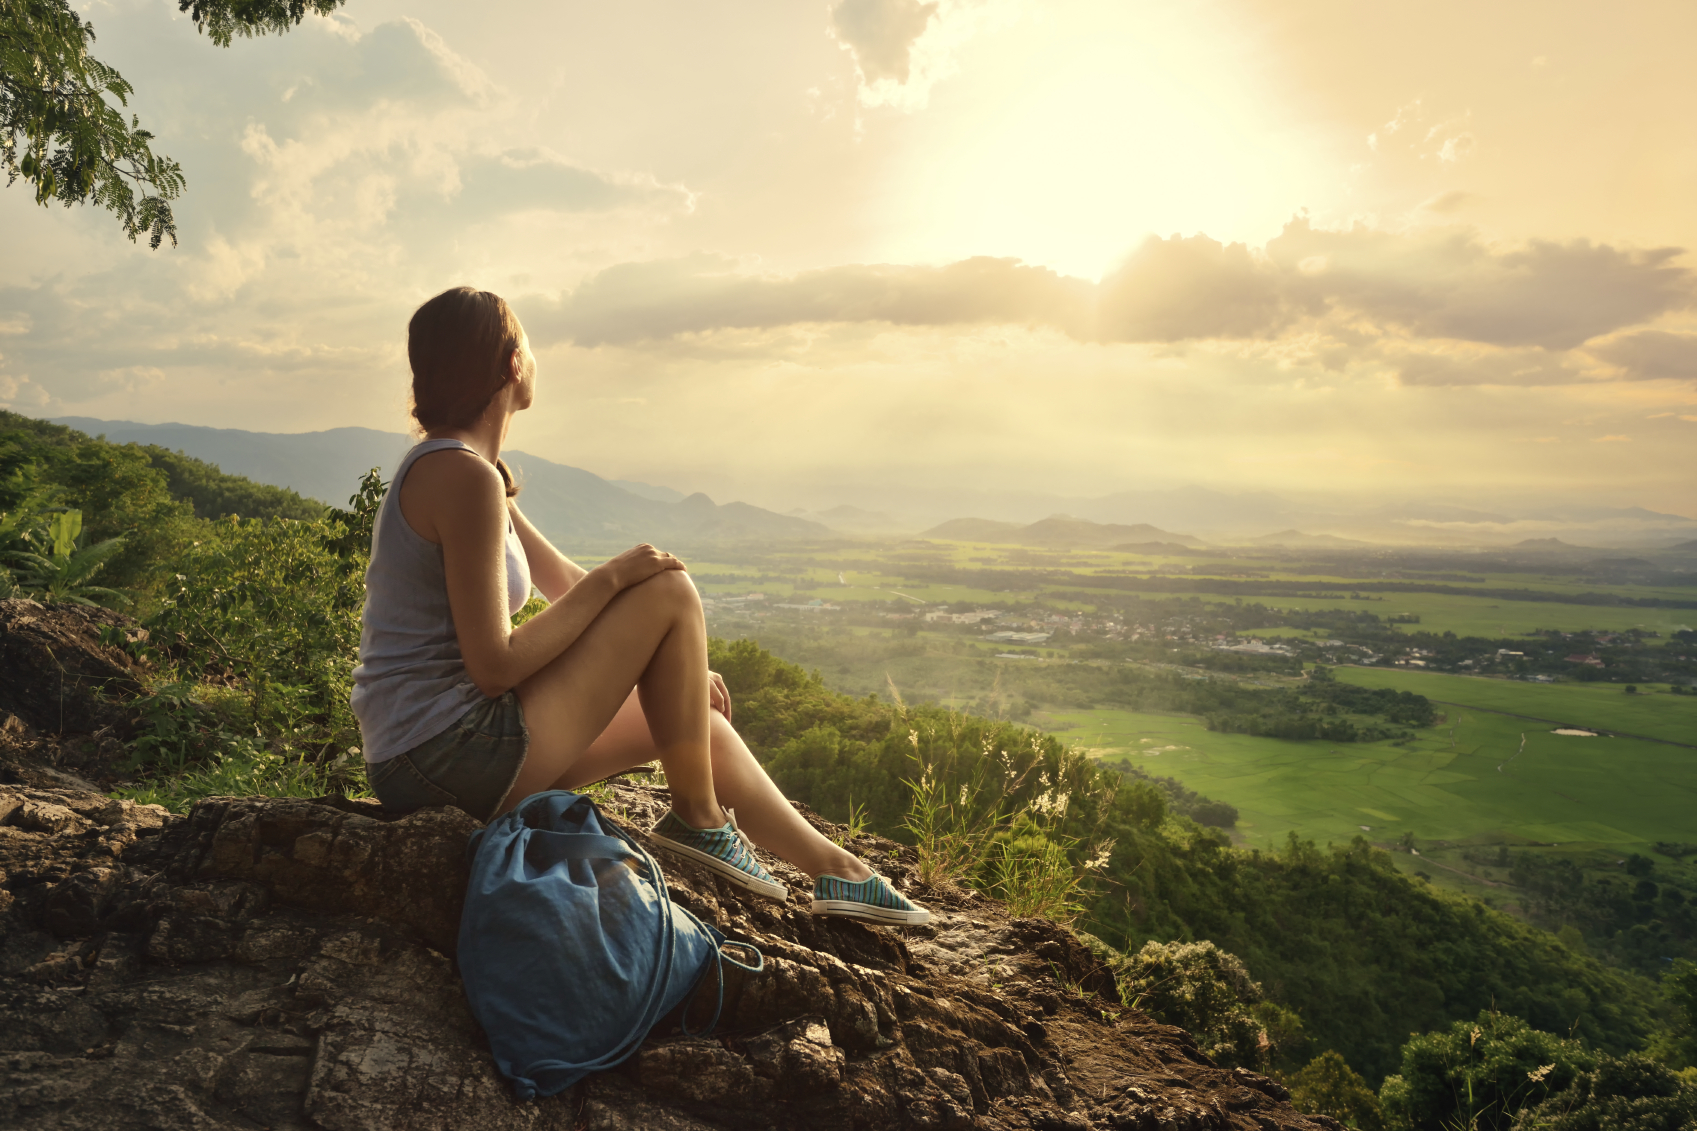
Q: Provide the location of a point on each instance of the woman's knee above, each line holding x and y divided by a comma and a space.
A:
673, 589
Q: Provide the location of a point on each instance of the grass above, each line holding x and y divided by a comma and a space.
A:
1446, 784
239, 775
1653, 712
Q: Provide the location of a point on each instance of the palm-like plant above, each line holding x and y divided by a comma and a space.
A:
65, 573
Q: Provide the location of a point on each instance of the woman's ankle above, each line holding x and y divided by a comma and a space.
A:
700, 814
845, 866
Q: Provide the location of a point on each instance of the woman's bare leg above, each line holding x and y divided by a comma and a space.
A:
738, 781
651, 636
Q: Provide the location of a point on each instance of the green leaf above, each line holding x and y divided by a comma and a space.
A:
61, 135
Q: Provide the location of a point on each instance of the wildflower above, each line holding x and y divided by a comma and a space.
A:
963, 795
1537, 1074
1104, 852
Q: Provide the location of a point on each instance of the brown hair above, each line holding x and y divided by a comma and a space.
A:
458, 344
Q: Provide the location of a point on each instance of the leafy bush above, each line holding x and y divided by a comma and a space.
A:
266, 601
1629, 1093
1479, 1074
1329, 1086
65, 571
1675, 1044
1200, 988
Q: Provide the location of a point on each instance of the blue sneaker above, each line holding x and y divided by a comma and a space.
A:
725, 851
873, 900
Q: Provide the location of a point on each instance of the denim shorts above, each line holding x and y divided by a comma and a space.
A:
471, 765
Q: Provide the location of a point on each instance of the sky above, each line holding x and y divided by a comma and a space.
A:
813, 252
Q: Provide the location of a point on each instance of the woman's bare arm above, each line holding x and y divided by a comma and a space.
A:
550, 571
457, 500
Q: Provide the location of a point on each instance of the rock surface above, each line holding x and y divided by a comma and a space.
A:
62, 693
275, 963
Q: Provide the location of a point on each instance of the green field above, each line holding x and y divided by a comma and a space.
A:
1479, 778
873, 570
1653, 712
1494, 618
1482, 788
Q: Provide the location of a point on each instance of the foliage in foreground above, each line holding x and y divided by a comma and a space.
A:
1327, 1085
1629, 1093
1479, 1074
1202, 989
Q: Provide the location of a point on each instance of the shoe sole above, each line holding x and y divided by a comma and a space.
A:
848, 909
721, 869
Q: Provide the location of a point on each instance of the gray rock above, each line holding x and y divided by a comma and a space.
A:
284, 963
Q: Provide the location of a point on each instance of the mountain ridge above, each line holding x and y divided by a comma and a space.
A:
568, 504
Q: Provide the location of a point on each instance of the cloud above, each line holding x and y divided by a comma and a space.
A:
20, 394
400, 61
339, 181
902, 48
1651, 354
1446, 202
1412, 130
524, 180
1478, 366
1447, 284
1170, 290
644, 301
881, 34
1529, 303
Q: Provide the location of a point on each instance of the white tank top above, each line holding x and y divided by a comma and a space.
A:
411, 682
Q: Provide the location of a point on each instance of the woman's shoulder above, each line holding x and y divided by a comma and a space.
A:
445, 488
459, 466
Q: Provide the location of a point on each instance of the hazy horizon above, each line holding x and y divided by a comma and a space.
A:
865, 250
325, 465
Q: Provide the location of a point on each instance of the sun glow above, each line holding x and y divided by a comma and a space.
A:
1075, 131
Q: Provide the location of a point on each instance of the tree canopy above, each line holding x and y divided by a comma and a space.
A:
59, 129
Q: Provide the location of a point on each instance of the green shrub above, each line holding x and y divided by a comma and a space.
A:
1629, 1093
1477, 1075
1329, 1086
1202, 989
1675, 1044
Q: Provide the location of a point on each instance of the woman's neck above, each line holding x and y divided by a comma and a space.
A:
485, 436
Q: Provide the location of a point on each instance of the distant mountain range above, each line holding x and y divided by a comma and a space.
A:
1058, 531
1222, 518
567, 504
571, 504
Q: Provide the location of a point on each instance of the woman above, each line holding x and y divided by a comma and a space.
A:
457, 707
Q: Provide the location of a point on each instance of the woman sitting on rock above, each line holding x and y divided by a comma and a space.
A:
457, 707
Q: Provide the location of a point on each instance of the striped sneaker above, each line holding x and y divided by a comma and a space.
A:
873, 900
724, 850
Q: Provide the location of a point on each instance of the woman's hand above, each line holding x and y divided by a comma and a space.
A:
718, 695
636, 565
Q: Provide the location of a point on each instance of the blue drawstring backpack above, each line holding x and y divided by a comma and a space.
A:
570, 948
